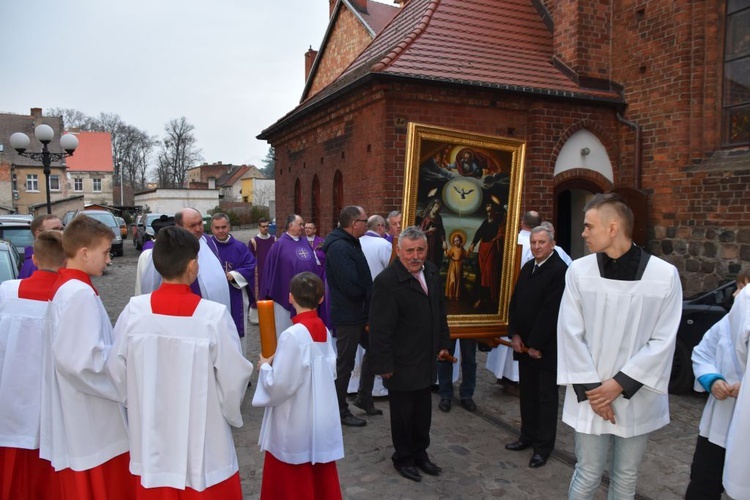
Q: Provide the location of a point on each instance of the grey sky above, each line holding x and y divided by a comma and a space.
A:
231, 67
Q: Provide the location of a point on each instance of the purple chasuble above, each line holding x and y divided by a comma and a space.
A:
315, 244
260, 251
286, 259
28, 267
234, 256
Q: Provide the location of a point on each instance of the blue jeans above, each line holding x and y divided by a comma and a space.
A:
468, 371
592, 452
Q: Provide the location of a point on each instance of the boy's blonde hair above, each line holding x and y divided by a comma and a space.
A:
84, 232
48, 250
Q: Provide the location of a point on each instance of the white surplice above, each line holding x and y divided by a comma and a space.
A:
21, 342
82, 421
301, 422
716, 354
607, 326
737, 460
183, 379
211, 276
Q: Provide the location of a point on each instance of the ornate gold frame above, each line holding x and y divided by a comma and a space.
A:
505, 150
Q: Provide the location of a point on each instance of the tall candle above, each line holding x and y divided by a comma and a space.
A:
267, 326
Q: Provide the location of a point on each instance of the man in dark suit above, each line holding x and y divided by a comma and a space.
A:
532, 326
409, 332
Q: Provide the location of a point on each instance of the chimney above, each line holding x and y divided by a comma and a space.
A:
36, 112
360, 5
401, 3
310, 56
582, 36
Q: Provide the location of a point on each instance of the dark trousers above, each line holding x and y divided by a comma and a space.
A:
539, 402
706, 471
468, 371
411, 418
347, 340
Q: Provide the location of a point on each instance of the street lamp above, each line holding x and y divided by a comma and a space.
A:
44, 134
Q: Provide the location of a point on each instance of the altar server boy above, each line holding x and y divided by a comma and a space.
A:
301, 429
82, 430
718, 371
23, 306
178, 368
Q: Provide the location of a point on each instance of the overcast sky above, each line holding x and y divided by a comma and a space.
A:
231, 67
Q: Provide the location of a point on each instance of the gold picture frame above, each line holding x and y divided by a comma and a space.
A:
464, 190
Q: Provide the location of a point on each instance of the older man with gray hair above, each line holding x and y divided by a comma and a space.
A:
409, 332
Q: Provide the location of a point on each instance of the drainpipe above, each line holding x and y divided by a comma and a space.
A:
637, 153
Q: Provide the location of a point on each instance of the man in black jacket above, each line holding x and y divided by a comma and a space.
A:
532, 326
409, 332
349, 290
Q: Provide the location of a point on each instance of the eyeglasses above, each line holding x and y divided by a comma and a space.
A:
362, 220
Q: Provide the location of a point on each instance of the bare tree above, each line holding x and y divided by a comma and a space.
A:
178, 152
262, 193
72, 118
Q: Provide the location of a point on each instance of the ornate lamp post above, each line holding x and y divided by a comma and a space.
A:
44, 134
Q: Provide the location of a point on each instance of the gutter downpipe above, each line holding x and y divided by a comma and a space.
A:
637, 152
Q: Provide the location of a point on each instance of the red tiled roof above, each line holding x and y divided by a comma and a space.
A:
94, 153
378, 15
501, 44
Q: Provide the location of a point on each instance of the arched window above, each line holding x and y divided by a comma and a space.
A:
338, 196
297, 197
315, 201
737, 74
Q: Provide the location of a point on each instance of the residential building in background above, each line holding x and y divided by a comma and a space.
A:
91, 168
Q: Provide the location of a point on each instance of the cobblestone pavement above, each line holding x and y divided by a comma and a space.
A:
468, 446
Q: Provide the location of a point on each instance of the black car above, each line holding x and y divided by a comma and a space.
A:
699, 313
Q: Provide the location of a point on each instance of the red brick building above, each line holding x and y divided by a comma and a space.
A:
651, 97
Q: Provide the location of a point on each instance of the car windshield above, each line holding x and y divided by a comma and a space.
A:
6, 265
107, 219
20, 236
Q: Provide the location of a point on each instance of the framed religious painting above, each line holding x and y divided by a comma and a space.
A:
463, 190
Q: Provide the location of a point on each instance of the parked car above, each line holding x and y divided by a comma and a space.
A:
146, 231
10, 261
123, 227
17, 218
68, 216
107, 218
17, 232
699, 313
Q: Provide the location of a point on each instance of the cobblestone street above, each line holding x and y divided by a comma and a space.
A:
469, 447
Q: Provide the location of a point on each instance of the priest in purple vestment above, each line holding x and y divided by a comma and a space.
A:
259, 245
290, 255
315, 241
239, 266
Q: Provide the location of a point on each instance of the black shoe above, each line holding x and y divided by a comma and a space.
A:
537, 461
409, 472
517, 446
369, 408
469, 404
445, 405
428, 467
353, 421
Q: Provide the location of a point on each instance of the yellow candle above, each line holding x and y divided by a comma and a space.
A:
267, 326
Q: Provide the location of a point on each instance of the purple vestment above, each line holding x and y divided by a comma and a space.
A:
315, 244
147, 245
286, 258
234, 256
28, 267
260, 251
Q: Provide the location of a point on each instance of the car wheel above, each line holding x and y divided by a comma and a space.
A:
139, 245
681, 380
